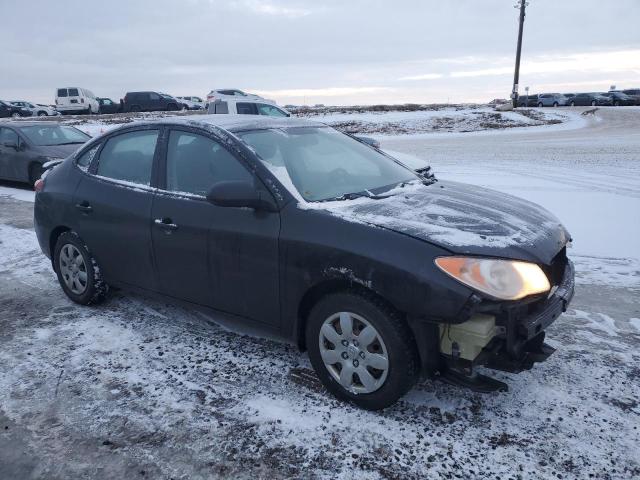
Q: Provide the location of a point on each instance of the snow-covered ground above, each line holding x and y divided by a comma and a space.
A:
137, 385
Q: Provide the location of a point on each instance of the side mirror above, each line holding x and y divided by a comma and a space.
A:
369, 141
240, 194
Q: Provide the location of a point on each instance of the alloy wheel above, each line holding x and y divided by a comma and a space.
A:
73, 269
353, 352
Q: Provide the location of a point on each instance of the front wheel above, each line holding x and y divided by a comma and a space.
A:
361, 349
555, 104
572, 104
42, 114
593, 103
540, 104
77, 270
15, 115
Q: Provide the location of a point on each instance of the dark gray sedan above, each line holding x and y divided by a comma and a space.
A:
26, 146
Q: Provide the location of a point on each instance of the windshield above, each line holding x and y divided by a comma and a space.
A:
54, 135
324, 164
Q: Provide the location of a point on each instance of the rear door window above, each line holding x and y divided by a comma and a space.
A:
62, 92
154, 96
73, 92
221, 107
244, 108
195, 163
129, 157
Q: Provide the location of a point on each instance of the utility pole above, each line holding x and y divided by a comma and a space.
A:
522, 5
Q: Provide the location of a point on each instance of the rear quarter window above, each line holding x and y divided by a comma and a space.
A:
73, 92
62, 92
84, 160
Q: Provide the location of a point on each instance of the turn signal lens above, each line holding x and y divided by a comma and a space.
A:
502, 279
38, 186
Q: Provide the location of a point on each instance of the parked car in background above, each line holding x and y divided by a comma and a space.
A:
150, 102
621, 99
14, 111
76, 100
551, 100
528, 100
36, 109
246, 106
192, 103
26, 146
593, 99
233, 92
634, 93
295, 227
108, 106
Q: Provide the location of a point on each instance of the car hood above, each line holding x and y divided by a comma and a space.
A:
58, 151
461, 218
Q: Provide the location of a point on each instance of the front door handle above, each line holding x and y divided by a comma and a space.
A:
84, 207
165, 223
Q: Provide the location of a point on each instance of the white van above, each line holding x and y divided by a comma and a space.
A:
246, 106
76, 100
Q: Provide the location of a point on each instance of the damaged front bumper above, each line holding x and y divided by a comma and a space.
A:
510, 338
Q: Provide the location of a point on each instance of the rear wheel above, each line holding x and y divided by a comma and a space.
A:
42, 113
15, 115
77, 270
361, 349
593, 103
555, 104
573, 104
616, 103
540, 104
134, 108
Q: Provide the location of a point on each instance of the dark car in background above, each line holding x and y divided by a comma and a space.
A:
107, 105
593, 99
26, 146
7, 110
528, 100
633, 93
149, 102
315, 236
621, 99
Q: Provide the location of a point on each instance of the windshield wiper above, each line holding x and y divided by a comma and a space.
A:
354, 195
64, 143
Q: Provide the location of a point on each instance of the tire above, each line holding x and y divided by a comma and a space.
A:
35, 172
540, 104
593, 103
572, 104
555, 104
392, 340
134, 108
616, 103
69, 247
172, 107
42, 114
15, 115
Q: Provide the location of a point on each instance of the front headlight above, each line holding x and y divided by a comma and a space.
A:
502, 279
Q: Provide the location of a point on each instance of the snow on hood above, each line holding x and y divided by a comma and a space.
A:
463, 218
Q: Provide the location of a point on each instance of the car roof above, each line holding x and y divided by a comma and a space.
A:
20, 123
232, 123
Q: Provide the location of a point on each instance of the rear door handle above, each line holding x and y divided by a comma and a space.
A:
84, 207
165, 223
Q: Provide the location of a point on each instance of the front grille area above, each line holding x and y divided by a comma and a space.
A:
555, 272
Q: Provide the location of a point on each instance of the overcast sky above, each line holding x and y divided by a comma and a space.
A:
316, 51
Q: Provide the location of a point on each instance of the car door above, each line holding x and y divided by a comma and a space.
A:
113, 206
155, 102
221, 257
10, 155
